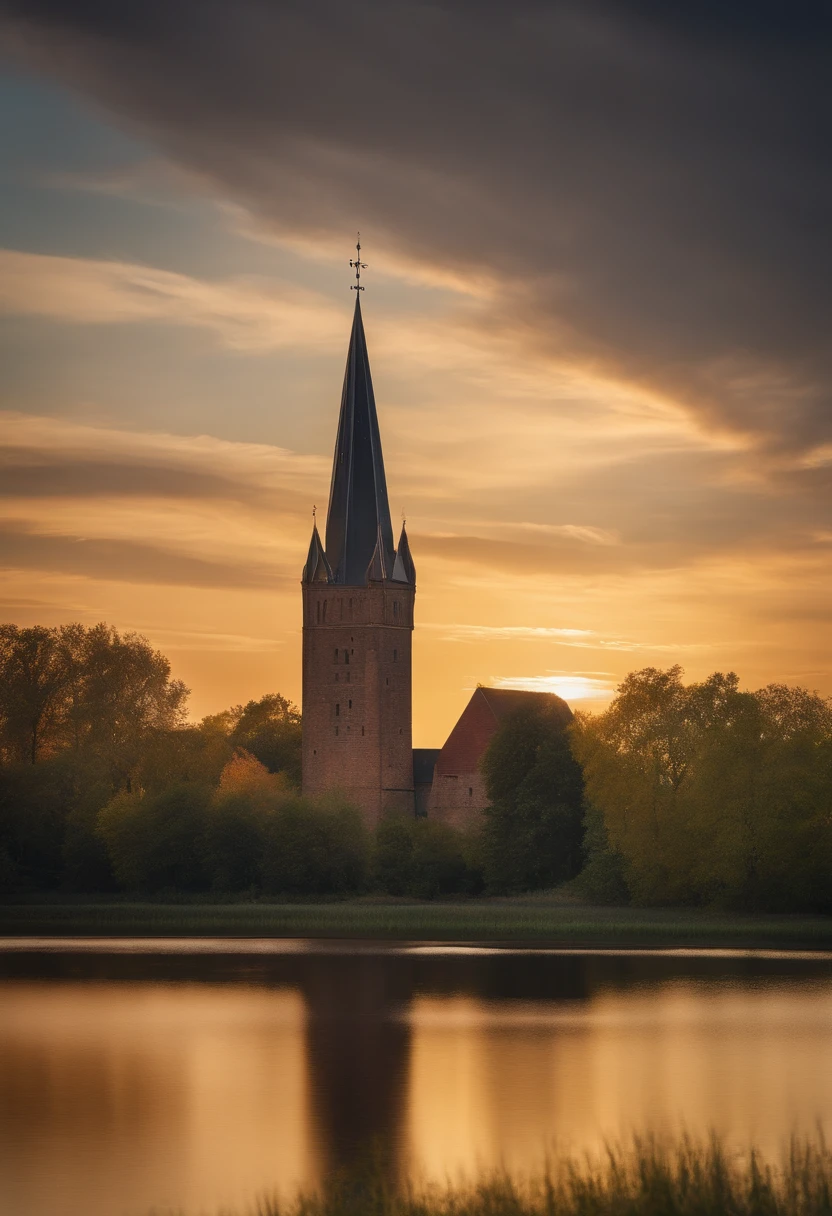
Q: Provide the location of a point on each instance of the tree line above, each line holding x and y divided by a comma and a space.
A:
106, 787
706, 794
696, 794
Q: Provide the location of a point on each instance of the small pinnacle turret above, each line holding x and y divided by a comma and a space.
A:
404, 571
317, 568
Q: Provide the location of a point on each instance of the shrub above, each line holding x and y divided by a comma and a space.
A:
421, 858
314, 848
155, 843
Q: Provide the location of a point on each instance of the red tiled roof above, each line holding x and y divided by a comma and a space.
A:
478, 722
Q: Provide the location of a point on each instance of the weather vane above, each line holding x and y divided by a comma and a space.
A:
358, 265
314, 512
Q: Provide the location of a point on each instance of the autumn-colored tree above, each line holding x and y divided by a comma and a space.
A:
239, 816
270, 729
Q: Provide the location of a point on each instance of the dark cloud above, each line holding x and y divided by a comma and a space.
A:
21, 476
654, 181
127, 561
29, 473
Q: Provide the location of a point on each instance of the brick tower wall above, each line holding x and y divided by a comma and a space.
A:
357, 696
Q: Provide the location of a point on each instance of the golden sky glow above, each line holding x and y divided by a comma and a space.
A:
534, 570
580, 502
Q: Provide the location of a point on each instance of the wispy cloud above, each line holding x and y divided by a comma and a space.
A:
246, 314
30, 442
584, 639
478, 633
203, 640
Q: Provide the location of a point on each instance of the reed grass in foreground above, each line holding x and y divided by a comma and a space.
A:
687, 1179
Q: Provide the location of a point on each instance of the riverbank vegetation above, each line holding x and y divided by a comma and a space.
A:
698, 795
648, 1179
531, 920
703, 794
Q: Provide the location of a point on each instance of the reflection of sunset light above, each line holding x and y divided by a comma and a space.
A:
505, 1081
570, 687
187, 1097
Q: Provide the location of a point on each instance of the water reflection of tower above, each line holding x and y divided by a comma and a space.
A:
357, 1051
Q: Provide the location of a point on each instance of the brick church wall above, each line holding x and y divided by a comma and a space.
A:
357, 679
458, 796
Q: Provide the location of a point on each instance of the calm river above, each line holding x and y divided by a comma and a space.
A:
213, 1073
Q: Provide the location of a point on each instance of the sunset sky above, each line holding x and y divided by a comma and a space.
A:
597, 305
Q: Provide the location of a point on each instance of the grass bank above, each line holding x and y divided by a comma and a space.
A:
535, 920
686, 1180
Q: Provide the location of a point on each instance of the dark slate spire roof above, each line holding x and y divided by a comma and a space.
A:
317, 568
358, 519
404, 570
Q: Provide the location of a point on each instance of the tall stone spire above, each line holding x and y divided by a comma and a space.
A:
358, 519
358, 605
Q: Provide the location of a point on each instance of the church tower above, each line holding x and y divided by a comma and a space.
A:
358, 593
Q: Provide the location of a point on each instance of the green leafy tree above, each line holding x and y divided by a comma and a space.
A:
421, 858
124, 697
270, 729
533, 830
95, 692
155, 842
192, 752
238, 821
602, 879
712, 794
89, 713
33, 680
315, 848
34, 803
